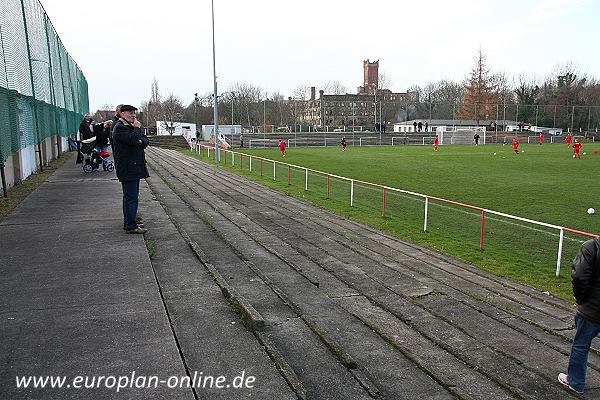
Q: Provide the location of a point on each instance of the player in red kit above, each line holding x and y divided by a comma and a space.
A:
568, 139
541, 138
515, 144
282, 147
436, 142
576, 147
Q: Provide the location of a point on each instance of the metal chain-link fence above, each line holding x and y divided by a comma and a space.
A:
42, 90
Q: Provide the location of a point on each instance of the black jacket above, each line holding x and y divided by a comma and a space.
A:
585, 275
85, 128
101, 134
128, 151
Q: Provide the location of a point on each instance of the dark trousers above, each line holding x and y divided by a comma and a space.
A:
578, 360
131, 190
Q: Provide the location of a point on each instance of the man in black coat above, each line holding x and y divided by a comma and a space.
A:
128, 145
86, 128
585, 276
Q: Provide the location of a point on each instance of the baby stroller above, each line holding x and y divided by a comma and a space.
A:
94, 157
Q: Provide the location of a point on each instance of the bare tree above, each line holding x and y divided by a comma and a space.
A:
246, 96
301, 92
384, 80
334, 87
172, 111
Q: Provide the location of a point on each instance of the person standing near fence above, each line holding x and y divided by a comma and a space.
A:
576, 149
436, 142
344, 143
585, 277
86, 127
476, 138
541, 138
129, 143
568, 139
282, 147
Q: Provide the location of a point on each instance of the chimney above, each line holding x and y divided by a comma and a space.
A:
321, 93
312, 92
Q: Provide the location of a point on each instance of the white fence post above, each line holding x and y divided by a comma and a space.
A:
306, 179
351, 192
232, 159
250, 164
273, 170
560, 245
426, 208
208, 153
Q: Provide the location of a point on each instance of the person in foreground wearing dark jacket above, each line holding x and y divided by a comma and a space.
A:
128, 151
585, 276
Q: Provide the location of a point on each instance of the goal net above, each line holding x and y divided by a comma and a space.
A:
462, 135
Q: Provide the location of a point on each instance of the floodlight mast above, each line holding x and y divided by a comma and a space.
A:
215, 97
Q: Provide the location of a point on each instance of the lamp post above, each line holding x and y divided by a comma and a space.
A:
148, 118
215, 105
196, 99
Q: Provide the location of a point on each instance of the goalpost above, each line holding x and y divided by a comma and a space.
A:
404, 139
462, 135
365, 138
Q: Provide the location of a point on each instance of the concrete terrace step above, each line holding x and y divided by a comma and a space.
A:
426, 307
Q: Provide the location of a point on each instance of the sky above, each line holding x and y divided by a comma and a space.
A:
279, 45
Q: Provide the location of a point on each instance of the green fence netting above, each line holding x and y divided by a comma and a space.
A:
42, 90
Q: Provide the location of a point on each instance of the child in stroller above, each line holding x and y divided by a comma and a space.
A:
94, 157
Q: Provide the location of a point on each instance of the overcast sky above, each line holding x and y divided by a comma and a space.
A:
281, 44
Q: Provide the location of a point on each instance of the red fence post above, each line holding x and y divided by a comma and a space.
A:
482, 229
328, 185
383, 205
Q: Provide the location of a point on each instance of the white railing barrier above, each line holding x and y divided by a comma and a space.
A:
483, 211
306, 179
426, 210
559, 256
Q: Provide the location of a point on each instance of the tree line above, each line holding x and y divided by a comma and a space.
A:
565, 98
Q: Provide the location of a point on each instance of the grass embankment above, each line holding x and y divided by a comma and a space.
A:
19, 192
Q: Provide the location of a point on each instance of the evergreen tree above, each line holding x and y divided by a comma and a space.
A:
480, 97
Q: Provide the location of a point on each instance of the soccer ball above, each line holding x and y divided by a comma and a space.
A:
522, 151
494, 153
591, 211
585, 154
573, 155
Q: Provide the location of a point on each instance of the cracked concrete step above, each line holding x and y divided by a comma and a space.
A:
363, 345
242, 197
491, 385
320, 374
212, 340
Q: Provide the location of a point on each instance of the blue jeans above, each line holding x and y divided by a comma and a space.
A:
578, 360
131, 190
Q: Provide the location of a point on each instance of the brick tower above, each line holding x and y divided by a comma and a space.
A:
371, 77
